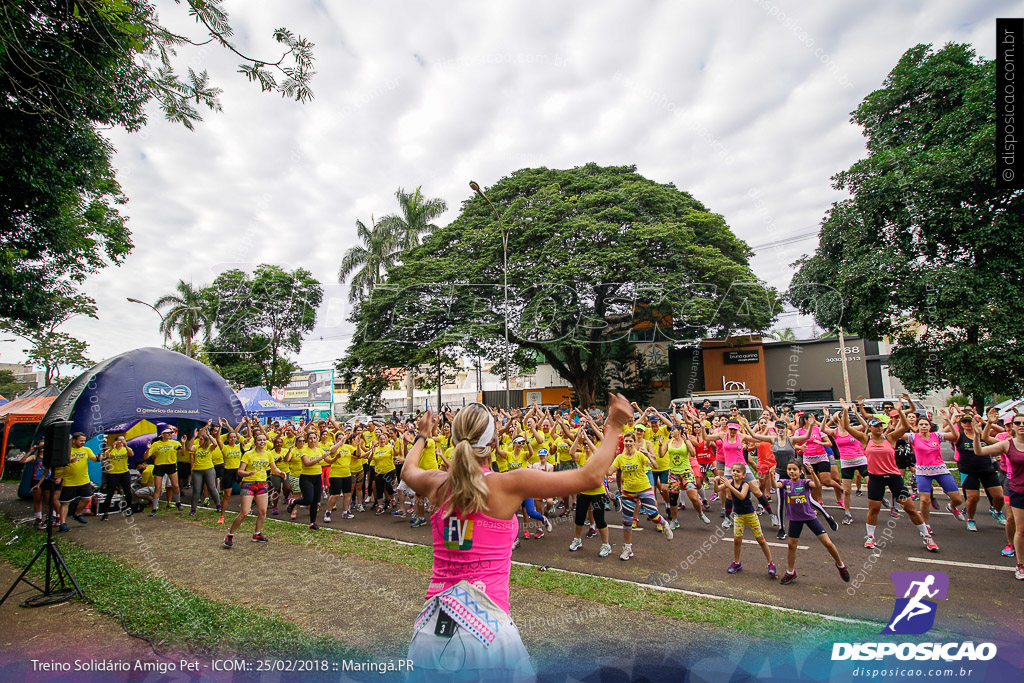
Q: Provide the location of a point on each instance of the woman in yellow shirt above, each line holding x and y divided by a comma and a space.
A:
310, 477
115, 466
253, 469
633, 462
201, 448
589, 504
278, 485
340, 481
384, 478
232, 453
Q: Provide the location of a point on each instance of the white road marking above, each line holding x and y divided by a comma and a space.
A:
960, 564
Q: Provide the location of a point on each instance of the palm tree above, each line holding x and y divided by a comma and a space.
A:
369, 261
188, 314
417, 214
786, 335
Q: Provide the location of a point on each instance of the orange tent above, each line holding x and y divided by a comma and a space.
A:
18, 420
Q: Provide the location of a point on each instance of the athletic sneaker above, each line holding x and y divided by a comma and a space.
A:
704, 518
398, 513
956, 512
314, 526
260, 538
772, 571
999, 517
294, 514
152, 513
832, 523
841, 505
858, 493
348, 515
63, 529
727, 523
714, 497
516, 544
591, 532
1008, 551
930, 544
81, 520
847, 518
178, 505
327, 517
894, 513
221, 520
360, 508
971, 525
547, 523
705, 504
191, 513
606, 550
539, 533
787, 578
576, 544
734, 567
526, 533
626, 554
682, 505
782, 535
379, 510
228, 542
870, 542
668, 532
1019, 573
675, 524
845, 573
775, 520
274, 511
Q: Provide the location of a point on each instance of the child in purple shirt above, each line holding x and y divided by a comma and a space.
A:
800, 513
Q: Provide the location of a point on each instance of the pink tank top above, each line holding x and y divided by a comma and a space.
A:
881, 458
733, 453
927, 452
813, 451
477, 549
851, 453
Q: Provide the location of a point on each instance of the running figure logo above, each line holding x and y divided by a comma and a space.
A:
914, 613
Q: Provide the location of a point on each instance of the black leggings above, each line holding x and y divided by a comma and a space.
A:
122, 482
312, 491
595, 503
384, 483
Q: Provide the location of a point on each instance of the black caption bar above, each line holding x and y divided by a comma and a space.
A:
1009, 157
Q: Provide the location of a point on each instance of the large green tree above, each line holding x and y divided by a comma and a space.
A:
926, 251
50, 349
9, 385
591, 252
260, 318
68, 70
415, 218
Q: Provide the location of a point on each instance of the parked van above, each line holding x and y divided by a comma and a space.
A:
750, 406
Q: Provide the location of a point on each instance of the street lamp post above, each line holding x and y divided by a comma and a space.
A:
137, 301
504, 254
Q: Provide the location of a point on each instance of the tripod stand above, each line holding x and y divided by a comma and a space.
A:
56, 570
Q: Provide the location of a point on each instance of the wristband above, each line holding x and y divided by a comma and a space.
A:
418, 437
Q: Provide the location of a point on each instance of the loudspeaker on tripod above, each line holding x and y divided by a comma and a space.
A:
57, 448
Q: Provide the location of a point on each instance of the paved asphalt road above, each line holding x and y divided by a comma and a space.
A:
984, 599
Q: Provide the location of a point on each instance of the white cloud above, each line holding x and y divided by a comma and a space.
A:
433, 93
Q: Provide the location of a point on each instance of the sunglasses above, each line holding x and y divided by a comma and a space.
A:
1018, 424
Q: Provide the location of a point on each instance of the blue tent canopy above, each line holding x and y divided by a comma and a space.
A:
258, 403
150, 383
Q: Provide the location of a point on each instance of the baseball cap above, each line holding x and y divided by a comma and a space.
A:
542, 451
874, 422
781, 424
167, 431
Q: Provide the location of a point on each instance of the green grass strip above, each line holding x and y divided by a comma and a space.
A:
737, 615
166, 613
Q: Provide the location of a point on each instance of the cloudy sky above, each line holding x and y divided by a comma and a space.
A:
744, 103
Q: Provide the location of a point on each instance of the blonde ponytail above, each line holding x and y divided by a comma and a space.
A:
466, 491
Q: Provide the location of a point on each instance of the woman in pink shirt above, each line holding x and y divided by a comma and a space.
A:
465, 627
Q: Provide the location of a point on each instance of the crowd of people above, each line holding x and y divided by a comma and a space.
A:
778, 468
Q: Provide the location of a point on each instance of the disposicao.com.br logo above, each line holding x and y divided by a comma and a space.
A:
914, 614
